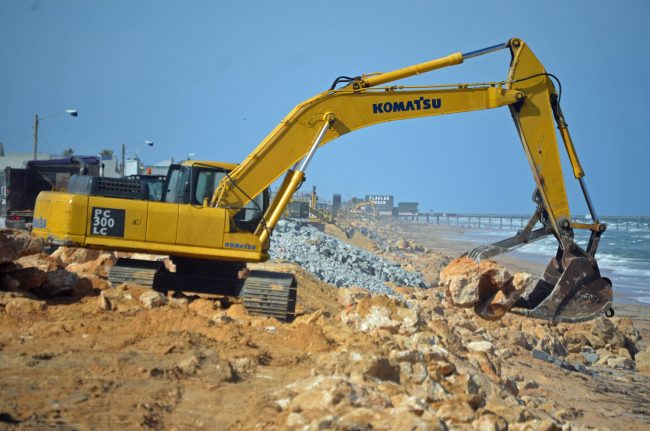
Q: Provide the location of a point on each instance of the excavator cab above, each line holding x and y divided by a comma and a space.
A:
194, 184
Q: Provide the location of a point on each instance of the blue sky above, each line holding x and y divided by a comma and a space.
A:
213, 78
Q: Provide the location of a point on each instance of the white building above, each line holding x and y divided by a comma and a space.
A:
159, 168
19, 160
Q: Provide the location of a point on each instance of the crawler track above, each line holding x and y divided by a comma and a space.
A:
264, 293
270, 294
134, 271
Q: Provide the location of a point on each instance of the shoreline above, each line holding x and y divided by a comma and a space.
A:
453, 241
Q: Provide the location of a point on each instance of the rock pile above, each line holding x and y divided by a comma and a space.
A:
391, 244
15, 243
370, 362
28, 276
408, 374
337, 262
403, 244
491, 290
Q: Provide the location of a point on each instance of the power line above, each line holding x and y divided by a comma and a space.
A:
4, 138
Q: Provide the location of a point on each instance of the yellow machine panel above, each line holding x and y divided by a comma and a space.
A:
200, 226
61, 217
162, 222
119, 218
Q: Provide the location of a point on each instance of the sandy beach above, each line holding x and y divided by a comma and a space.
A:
452, 240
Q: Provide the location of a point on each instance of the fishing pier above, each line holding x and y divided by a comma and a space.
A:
512, 221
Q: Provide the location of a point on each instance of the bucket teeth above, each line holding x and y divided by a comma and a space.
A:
485, 251
576, 294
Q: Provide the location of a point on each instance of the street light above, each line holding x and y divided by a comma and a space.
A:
124, 147
37, 119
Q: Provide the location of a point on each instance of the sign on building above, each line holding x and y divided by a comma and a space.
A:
384, 203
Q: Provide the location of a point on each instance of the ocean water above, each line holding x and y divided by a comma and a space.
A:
623, 255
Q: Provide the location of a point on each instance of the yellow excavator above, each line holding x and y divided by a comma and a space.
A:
365, 207
213, 217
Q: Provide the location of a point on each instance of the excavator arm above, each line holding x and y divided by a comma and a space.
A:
571, 288
362, 103
338, 112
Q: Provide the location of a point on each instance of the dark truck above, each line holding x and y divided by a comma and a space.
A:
24, 184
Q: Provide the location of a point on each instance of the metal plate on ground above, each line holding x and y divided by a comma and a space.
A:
271, 294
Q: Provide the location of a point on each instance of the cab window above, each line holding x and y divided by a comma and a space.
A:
206, 183
177, 185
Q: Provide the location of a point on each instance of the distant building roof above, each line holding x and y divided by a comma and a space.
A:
19, 160
164, 163
66, 161
407, 206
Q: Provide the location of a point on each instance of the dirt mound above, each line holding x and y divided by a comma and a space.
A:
129, 357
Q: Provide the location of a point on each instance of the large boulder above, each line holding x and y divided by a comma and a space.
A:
6, 297
42, 261
98, 266
123, 298
69, 255
349, 296
22, 308
604, 333
631, 335
153, 299
27, 278
499, 303
15, 244
468, 283
382, 312
643, 361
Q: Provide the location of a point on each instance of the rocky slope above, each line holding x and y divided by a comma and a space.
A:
76, 353
337, 262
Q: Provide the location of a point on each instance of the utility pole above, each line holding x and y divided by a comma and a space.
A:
71, 112
35, 136
137, 157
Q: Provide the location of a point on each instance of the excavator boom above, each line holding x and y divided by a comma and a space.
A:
571, 288
345, 111
213, 211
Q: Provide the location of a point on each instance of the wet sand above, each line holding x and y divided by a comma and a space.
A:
453, 241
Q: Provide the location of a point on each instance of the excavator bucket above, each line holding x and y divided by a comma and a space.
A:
571, 290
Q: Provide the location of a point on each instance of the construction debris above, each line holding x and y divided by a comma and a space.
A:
337, 262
